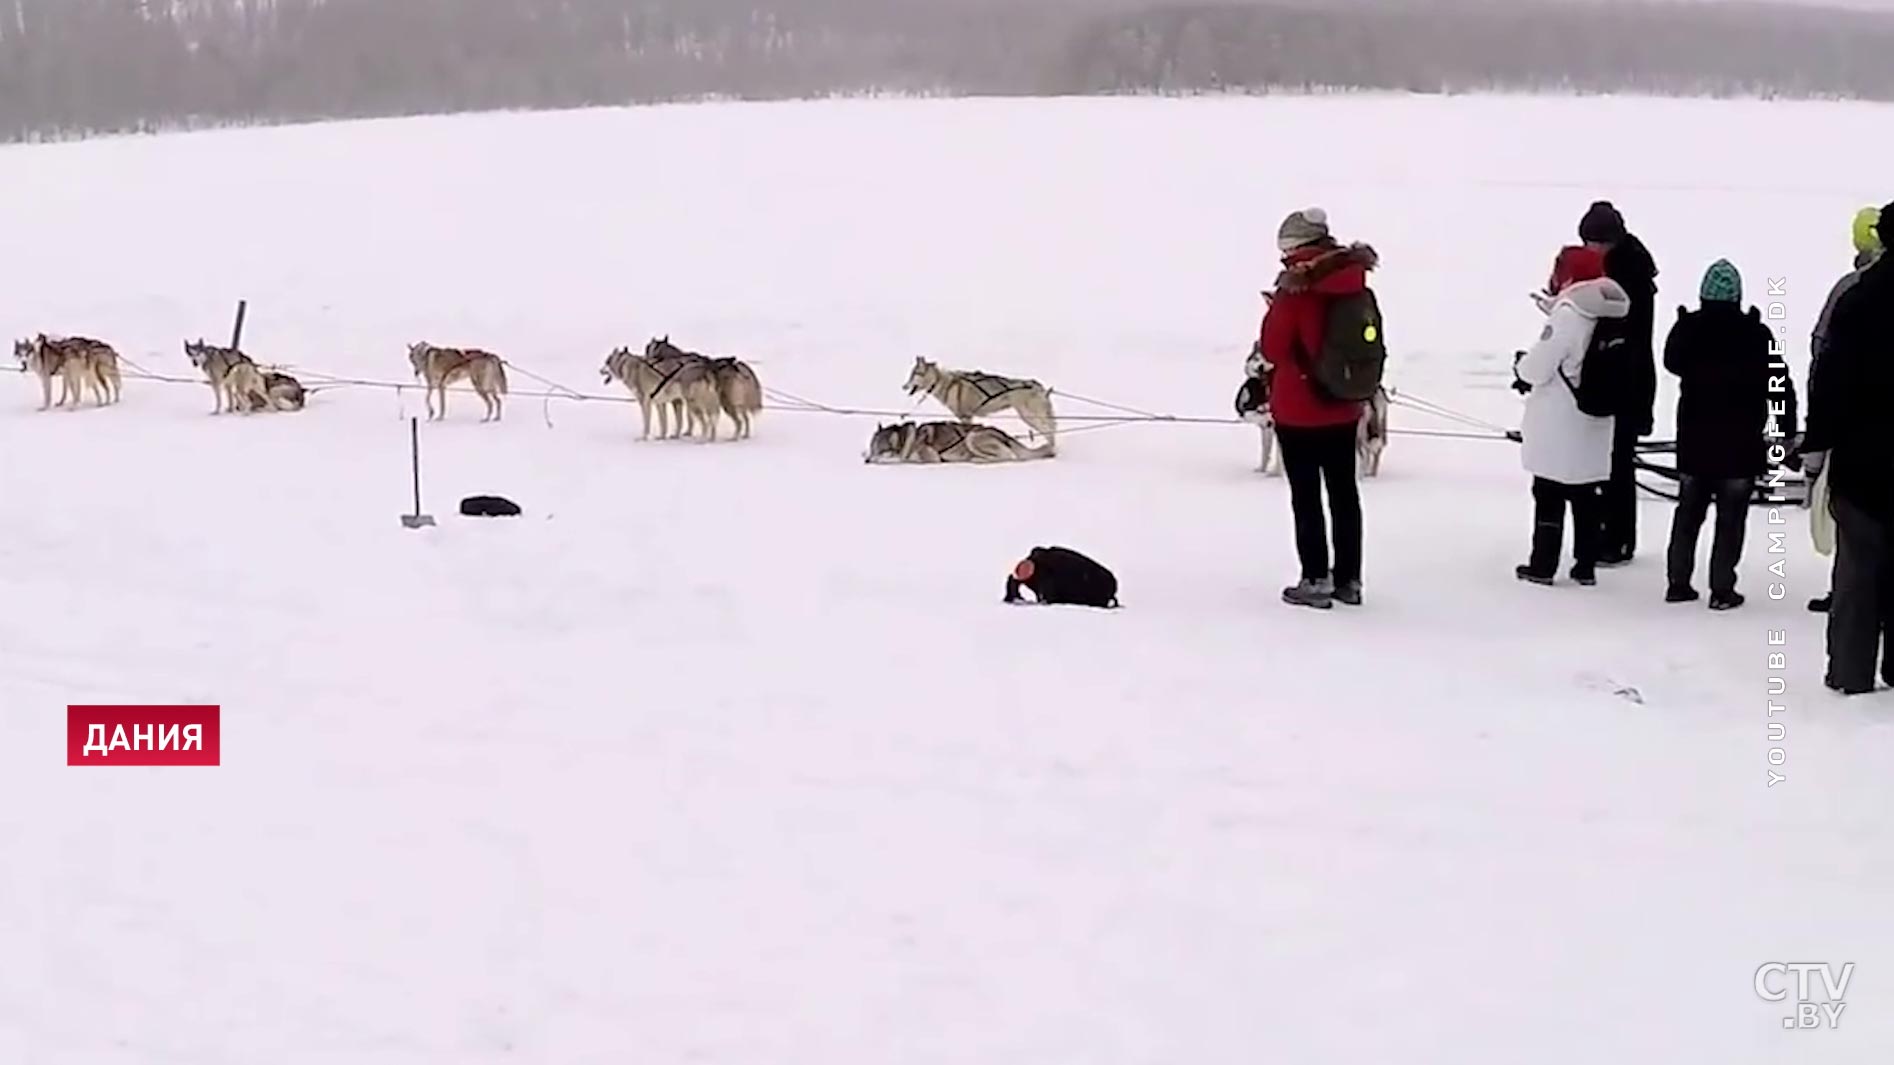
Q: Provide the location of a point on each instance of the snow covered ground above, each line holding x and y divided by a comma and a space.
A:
730, 754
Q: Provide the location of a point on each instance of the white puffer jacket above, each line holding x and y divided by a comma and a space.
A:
1563, 443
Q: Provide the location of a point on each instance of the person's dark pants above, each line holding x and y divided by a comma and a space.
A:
1311, 457
1858, 620
1549, 502
1694, 497
1619, 507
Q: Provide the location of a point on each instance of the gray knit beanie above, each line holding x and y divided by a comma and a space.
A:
1302, 228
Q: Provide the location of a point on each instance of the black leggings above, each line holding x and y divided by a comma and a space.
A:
1311, 457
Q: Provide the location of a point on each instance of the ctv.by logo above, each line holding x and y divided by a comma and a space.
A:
1773, 982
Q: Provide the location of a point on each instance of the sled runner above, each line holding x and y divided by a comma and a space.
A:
1657, 474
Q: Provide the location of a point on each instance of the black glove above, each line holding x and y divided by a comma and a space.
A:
1519, 383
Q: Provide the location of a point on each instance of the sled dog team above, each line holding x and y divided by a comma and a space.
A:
688, 392
967, 394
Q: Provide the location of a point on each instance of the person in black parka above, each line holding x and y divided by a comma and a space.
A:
1848, 419
1728, 381
1060, 575
1628, 263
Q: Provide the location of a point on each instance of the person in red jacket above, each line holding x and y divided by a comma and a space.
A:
1317, 433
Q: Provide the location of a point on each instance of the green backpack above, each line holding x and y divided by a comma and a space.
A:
1354, 351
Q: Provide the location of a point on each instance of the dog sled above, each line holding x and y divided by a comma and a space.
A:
1656, 466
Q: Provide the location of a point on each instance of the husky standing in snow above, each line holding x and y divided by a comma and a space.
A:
78, 362
682, 389
1252, 406
440, 367
1371, 434
216, 364
932, 442
739, 393
968, 394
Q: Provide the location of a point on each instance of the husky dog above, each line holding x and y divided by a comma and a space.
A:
106, 382
967, 394
254, 389
1371, 434
217, 364
683, 386
440, 367
739, 393
245, 387
286, 393
930, 442
691, 386
1252, 406
79, 362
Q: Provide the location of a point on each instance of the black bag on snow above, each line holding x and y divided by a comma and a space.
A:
1354, 351
1604, 381
489, 507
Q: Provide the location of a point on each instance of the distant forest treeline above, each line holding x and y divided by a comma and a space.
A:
74, 67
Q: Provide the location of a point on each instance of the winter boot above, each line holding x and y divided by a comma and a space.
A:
1318, 595
1584, 576
1348, 593
1681, 593
1820, 606
1527, 573
1726, 600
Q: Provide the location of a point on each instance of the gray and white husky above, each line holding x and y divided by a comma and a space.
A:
739, 393
932, 442
217, 364
683, 387
78, 362
1371, 432
255, 389
968, 394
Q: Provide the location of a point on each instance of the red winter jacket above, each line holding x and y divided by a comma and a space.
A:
1292, 331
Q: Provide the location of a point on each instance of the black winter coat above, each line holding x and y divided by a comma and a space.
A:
1629, 263
1727, 382
1062, 575
1853, 383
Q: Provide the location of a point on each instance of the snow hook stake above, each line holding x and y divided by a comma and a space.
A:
416, 520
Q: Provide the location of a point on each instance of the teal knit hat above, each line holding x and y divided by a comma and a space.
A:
1721, 283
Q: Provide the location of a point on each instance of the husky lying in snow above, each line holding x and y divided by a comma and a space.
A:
1252, 406
930, 442
968, 394
78, 362
253, 389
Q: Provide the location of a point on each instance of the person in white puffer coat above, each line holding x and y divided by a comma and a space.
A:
1567, 451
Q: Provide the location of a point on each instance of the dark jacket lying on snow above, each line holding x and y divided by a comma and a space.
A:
1727, 381
1061, 575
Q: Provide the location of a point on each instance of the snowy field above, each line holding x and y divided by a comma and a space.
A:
731, 754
